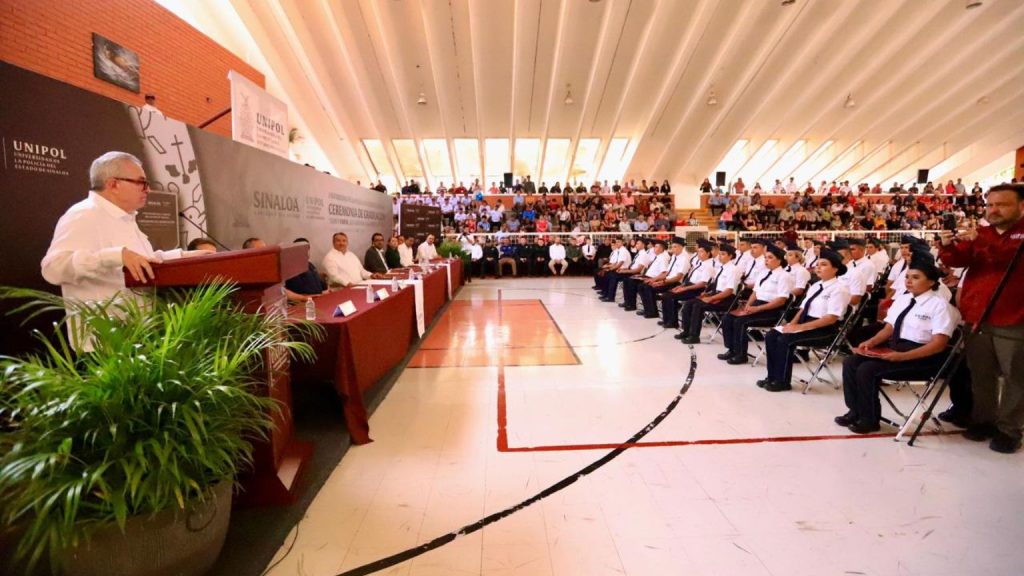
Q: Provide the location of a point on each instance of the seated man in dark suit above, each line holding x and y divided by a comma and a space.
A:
305, 285
491, 257
375, 259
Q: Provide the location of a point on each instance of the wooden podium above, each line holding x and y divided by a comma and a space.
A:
260, 274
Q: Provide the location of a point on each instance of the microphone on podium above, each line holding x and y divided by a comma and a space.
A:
203, 230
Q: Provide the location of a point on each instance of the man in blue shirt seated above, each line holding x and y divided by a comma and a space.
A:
306, 285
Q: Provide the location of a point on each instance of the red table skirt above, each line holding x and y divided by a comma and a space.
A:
360, 349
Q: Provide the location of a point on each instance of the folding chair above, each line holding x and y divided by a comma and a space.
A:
714, 317
825, 356
756, 334
933, 386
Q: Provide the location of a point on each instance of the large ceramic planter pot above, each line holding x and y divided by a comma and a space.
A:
171, 543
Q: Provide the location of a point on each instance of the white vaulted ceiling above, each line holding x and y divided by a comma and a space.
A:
935, 85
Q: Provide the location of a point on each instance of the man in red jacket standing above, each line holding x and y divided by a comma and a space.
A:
998, 346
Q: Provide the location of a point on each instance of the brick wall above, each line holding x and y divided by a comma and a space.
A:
186, 70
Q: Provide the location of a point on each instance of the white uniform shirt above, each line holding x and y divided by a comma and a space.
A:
880, 260
642, 260
621, 255
772, 284
405, 256
556, 252
343, 268
833, 299
85, 255
589, 250
703, 271
757, 271
931, 315
898, 267
727, 277
426, 252
810, 258
866, 269
680, 265
801, 276
743, 261
659, 265
476, 252
854, 281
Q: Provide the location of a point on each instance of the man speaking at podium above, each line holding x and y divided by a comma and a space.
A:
98, 236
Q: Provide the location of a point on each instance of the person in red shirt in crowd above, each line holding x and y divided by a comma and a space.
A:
997, 347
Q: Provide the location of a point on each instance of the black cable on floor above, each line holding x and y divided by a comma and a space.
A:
411, 553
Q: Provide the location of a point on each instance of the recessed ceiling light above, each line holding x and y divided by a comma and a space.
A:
973, 4
568, 95
422, 100
850, 102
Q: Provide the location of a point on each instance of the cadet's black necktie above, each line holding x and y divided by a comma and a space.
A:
753, 263
807, 305
690, 273
671, 263
789, 268
899, 323
714, 285
766, 277
854, 263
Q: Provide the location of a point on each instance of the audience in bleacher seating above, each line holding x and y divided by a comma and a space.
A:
837, 206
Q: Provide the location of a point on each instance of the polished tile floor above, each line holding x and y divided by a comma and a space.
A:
505, 399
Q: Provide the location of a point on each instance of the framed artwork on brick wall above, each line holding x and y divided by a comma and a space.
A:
115, 63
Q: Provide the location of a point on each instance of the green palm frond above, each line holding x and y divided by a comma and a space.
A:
162, 409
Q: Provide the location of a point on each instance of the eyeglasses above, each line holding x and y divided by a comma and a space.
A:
143, 182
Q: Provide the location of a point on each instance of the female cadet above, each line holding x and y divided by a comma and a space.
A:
815, 324
772, 289
719, 297
911, 345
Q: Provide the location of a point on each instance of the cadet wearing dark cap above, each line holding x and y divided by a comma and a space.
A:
752, 269
694, 283
772, 289
719, 296
657, 270
679, 266
911, 346
853, 279
641, 260
815, 324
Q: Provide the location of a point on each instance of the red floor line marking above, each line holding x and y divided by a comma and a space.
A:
502, 411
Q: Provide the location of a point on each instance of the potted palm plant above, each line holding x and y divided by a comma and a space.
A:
121, 460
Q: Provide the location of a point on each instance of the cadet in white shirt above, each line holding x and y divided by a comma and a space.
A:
620, 258
743, 257
556, 255
657, 269
853, 278
810, 256
694, 284
861, 263
764, 308
638, 264
718, 297
878, 255
755, 266
98, 236
911, 346
426, 251
795, 267
679, 265
342, 267
816, 323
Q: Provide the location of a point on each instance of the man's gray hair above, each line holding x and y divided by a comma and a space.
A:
107, 166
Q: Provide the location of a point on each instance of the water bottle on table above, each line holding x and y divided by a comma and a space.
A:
310, 309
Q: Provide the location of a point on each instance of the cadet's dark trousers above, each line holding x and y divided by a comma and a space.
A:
779, 349
647, 293
611, 284
670, 304
734, 328
630, 287
862, 375
693, 314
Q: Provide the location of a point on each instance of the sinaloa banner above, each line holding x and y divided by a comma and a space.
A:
257, 118
250, 193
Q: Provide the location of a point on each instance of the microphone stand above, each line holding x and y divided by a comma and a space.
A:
205, 233
954, 360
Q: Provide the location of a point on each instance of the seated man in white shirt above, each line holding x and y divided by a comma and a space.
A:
98, 236
405, 254
556, 253
426, 251
342, 267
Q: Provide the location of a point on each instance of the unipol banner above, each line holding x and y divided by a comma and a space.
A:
257, 118
232, 191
